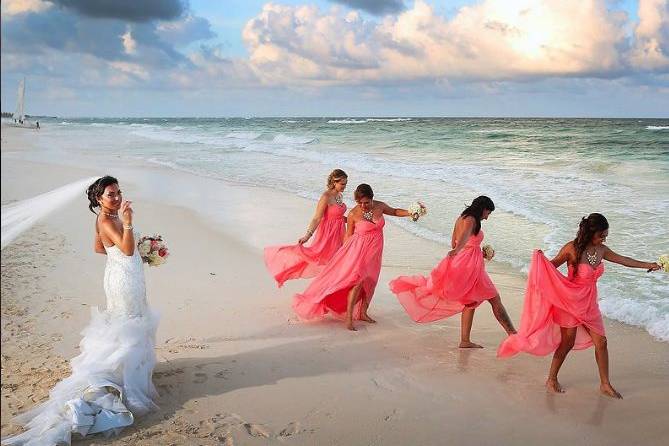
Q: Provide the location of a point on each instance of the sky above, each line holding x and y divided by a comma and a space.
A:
163, 58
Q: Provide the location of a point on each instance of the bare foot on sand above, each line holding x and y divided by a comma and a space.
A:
469, 344
350, 326
608, 390
554, 386
366, 318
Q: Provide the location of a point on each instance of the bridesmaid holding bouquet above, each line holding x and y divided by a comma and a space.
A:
459, 283
562, 313
327, 226
346, 286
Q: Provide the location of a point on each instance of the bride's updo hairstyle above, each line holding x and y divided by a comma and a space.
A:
95, 191
363, 191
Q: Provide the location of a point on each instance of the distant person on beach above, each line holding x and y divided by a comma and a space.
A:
37, 125
562, 313
327, 226
459, 283
346, 285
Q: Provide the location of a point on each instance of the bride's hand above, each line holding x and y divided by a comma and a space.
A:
126, 212
303, 240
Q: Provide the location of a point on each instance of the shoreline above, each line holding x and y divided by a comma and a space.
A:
234, 362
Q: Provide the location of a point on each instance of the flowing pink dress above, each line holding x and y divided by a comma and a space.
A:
553, 301
298, 261
358, 261
457, 282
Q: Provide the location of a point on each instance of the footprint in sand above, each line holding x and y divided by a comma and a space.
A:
222, 374
256, 430
293, 428
200, 378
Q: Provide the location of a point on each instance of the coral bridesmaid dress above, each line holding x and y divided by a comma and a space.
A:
358, 261
553, 301
456, 283
298, 261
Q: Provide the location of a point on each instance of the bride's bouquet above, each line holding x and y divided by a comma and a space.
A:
153, 249
417, 210
488, 252
664, 262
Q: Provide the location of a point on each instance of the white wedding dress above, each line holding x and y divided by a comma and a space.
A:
111, 381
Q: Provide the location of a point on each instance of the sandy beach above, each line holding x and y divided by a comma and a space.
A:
236, 367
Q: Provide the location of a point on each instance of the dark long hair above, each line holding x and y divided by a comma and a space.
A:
588, 227
476, 209
95, 191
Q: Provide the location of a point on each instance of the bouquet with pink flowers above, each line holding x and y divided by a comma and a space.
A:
153, 249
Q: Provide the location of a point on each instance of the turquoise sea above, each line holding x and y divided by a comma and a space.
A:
542, 174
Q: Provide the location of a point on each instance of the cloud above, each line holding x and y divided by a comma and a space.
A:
494, 39
129, 44
37, 32
376, 7
652, 35
130, 10
14, 7
187, 30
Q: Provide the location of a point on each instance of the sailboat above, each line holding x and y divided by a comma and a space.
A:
19, 116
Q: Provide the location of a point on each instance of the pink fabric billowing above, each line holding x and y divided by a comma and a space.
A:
358, 261
553, 301
298, 261
457, 282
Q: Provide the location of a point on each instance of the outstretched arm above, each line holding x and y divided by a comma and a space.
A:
394, 212
316, 219
628, 261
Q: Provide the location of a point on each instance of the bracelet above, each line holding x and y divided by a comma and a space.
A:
127, 227
310, 232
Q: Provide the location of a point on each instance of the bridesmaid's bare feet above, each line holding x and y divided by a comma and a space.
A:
366, 318
469, 344
349, 325
554, 386
608, 390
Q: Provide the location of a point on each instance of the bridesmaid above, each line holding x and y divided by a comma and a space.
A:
562, 313
459, 283
346, 285
299, 261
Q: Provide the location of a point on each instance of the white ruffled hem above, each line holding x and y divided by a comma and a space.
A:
110, 383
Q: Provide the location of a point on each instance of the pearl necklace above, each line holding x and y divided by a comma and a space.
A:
592, 258
339, 200
110, 215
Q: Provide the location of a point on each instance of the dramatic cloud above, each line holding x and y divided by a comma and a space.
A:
131, 10
494, 39
376, 7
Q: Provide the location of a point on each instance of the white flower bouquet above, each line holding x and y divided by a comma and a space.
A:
417, 210
488, 252
663, 261
153, 250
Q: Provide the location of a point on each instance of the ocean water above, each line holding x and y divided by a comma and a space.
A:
542, 174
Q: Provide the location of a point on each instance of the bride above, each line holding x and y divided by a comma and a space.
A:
110, 382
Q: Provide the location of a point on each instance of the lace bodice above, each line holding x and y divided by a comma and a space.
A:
124, 283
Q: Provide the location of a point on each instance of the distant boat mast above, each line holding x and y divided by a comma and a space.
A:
19, 114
